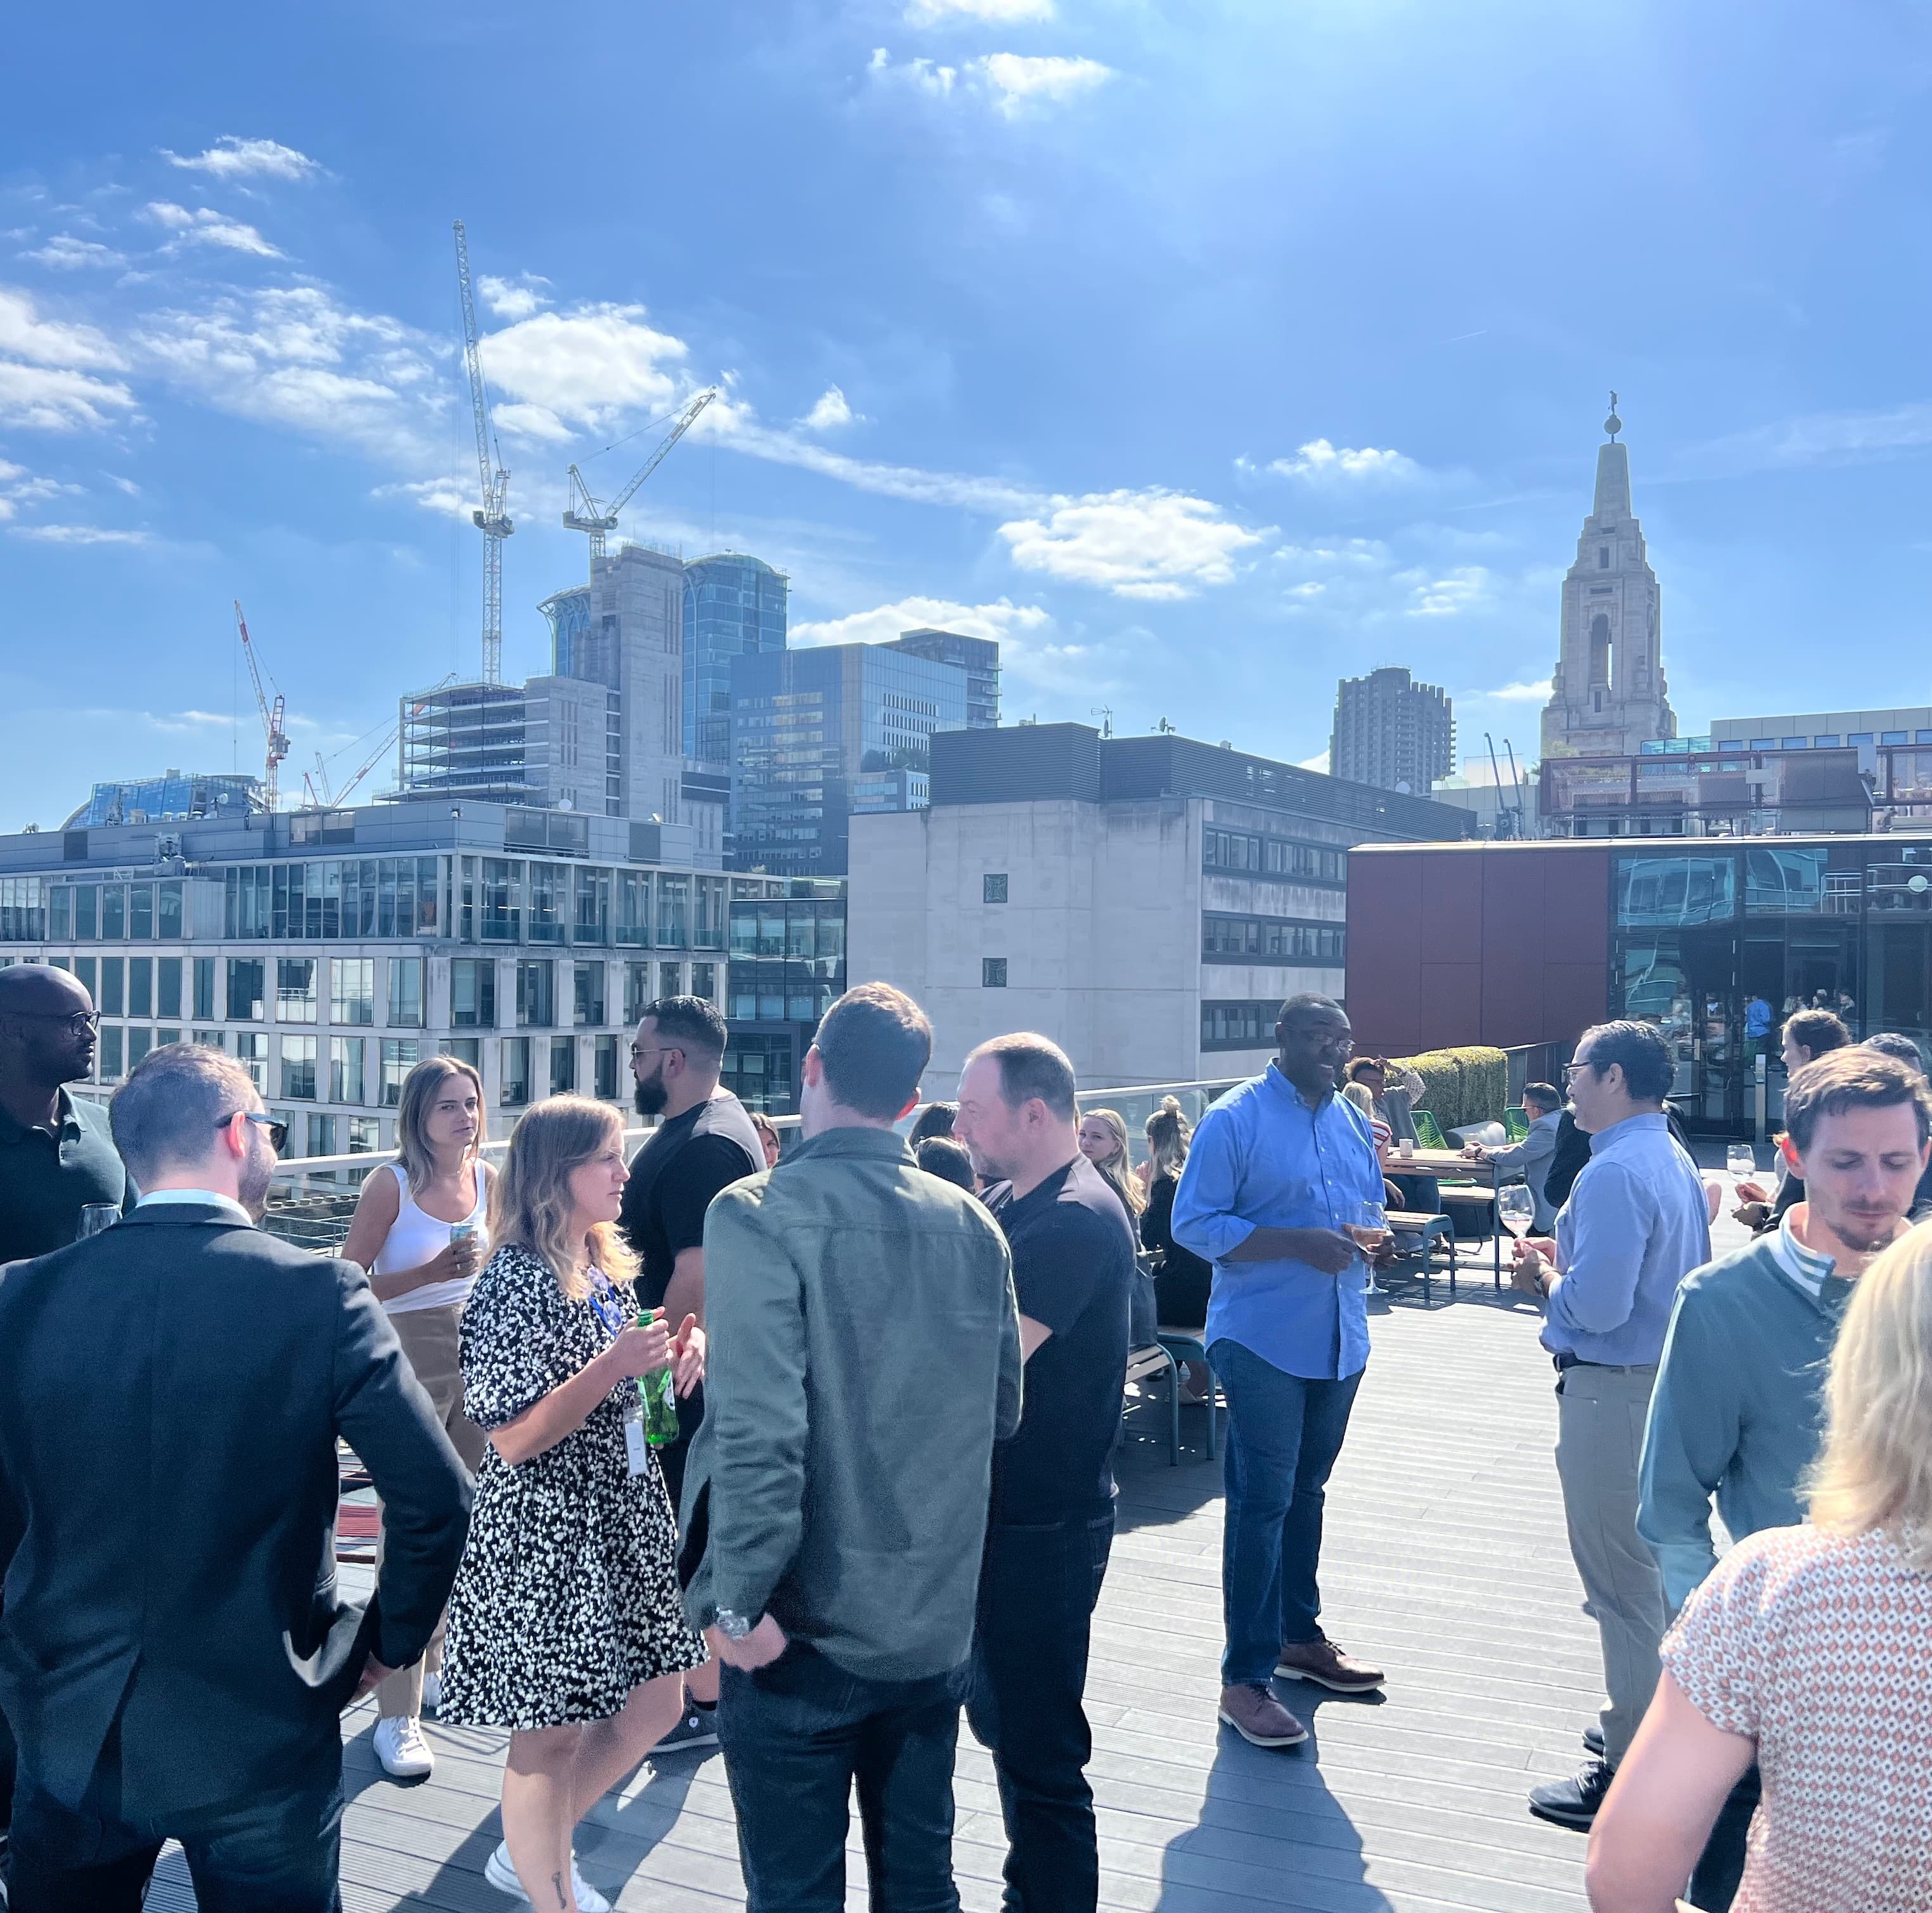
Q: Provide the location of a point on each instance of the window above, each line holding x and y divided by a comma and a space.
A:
993, 887
1860, 737
637, 990
365, 1135
588, 1007
141, 912
514, 1053
287, 1118
345, 1068
212, 1039
251, 1051
405, 993
168, 914
1826, 741
1249, 854
673, 911
110, 1053
472, 992
633, 907
503, 900
204, 987
562, 1064
85, 971
60, 913
993, 973
164, 1037
140, 1042
245, 986
1270, 939
113, 998
87, 908
298, 1068
606, 1090
1771, 743
168, 986
140, 986
670, 979
1603, 557
295, 989
321, 1134
1794, 743
536, 1004
593, 908
704, 981
465, 1049
549, 896
113, 912
1237, 1026
352, 997
399, 1058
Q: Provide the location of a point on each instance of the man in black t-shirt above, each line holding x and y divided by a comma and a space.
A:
1052, 1515
705, 1143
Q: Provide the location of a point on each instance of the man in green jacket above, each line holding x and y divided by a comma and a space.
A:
1735, 1410
865, 1356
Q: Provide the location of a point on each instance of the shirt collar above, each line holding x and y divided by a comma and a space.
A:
200, 1199
1805, 1267
1279, 1083
856, 1140
1631, 1125
66, 1122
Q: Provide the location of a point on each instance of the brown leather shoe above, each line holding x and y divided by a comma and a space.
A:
1260, 1718
1321, 1661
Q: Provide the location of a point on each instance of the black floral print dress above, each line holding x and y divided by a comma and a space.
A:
567, 1597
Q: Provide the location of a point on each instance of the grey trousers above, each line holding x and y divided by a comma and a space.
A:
1601, 1415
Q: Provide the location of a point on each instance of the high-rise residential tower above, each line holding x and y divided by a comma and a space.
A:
1392, 732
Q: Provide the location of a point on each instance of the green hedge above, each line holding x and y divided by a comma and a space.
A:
1462, 1086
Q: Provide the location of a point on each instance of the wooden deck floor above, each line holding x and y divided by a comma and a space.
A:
1445, 1560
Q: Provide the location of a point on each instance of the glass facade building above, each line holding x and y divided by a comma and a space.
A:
174, 797
734, 606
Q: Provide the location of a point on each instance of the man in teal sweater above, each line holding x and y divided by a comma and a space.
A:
1735, 1410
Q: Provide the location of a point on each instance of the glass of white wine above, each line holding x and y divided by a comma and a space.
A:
1517, 1208
1370, 1230
1741, 1161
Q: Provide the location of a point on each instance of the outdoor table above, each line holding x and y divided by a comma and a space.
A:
1446, 1162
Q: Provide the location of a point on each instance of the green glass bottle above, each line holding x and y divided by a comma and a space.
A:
654, 1392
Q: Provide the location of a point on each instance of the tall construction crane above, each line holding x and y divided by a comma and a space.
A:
316, 782
275, 717
597, 519
490, 519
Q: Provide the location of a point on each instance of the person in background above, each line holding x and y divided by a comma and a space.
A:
768, 1135
1735, 1410
949, 1159
1636, 1224
1103, 1141
565, 1625
1542, 1104
1903, 1050
706, 1142
1052, 1529
1391, 1103
936, 1119
868, 1359
419, 1229
1183, 1280
1806, 1035
1757, 1025
1280, 1169
56, 1159
174, 1656
1803, 1650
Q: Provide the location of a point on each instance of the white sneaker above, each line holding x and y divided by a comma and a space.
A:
400, 1747
502, 1875
432, 1699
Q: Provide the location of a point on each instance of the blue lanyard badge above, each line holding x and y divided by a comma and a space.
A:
603, 1298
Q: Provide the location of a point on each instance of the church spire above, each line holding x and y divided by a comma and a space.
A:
1613, 494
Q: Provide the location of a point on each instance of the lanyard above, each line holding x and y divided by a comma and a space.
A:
603, 1298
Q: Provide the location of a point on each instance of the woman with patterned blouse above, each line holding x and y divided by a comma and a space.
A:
565, 1625
1810, 1650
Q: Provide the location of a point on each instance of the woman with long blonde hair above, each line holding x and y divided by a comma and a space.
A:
1103, 1141
1810, 1650
419, 1230
565, 1625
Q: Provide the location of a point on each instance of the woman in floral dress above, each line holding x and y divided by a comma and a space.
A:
565, 1625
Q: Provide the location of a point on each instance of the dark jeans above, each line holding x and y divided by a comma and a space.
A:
796, 1735
1037, 1589
1284, 1433
1721, 1867
1421, 1193
278, 1852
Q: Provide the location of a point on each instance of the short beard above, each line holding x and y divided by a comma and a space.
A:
652, 1095
252, 1186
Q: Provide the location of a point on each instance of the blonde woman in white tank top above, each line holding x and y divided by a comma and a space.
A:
420, 1230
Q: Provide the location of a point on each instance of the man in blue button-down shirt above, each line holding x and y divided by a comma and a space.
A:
1278, 1173
1636, 1224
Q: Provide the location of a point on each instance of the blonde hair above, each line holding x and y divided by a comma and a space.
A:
1114, 1170
419, 1090
1169, 1134
1358, 1093
1875, 1470
530, 1201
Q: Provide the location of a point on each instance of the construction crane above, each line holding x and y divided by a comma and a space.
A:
316, 781
597, 519
275, 717
490, 519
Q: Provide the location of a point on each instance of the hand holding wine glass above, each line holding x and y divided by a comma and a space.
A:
1517, 1208
1370, 1230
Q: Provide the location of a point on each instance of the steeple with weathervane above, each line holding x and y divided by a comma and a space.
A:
1608, 696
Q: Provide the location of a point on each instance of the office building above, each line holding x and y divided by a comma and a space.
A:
1525, 946
174, 797
1608, 696
1148, 902
787, 968
1868, 733
820, 734
1392, 732
978, 657
734, 606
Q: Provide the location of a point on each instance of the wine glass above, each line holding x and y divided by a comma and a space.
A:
1370, 1230
1515, 1208
95, 1216
1741, 1161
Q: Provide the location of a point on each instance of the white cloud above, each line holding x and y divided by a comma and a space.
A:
934, 12
1004, 620
49, 368
832, 410
1324, 462
513, 299
65, 253
24, 334
79, 535
454, 498
1530, 691
1020, 80
1319, 762
923, 75
17, 488
1461, 590
1150, 544
204, 228
582, 370
233, 158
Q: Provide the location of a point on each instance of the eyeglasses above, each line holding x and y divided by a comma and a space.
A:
1573, 1070
638, 1055
278, 1132
77, 1021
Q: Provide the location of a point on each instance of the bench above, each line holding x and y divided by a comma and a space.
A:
1432, 1230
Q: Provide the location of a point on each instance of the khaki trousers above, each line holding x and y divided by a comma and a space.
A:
429, 1339
1601, 1416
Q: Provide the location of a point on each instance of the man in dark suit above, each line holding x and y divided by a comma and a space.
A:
173, 1656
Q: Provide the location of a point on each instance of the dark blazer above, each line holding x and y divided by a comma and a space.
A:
171, 1391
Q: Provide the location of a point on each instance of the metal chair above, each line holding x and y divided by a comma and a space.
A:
1152, 1361
1516, 1123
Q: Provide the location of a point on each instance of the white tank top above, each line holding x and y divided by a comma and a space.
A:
416, 1236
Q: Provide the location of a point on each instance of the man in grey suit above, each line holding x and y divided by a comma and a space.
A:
1543, 1105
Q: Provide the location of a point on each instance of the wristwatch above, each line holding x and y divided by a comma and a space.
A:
733, 1627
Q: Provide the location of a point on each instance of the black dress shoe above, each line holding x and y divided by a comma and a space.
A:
1593, 1741
1574, 1802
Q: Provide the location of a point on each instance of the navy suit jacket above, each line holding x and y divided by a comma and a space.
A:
171, 1393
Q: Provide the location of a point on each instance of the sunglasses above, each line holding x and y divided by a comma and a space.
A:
278, 1132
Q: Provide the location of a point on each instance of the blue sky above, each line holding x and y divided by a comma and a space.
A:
1203, 352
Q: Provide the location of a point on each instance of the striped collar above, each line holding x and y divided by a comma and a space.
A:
1805, 1267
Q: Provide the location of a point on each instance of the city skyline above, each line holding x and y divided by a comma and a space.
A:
1023, 345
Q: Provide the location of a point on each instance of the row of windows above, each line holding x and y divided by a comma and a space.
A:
32, 908
1251, 853
338, 899
1269, 940
473, 991
1239, 1026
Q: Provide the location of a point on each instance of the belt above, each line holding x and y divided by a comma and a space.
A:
1567, 1360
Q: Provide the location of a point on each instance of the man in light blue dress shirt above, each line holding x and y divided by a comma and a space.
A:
1277, 1174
